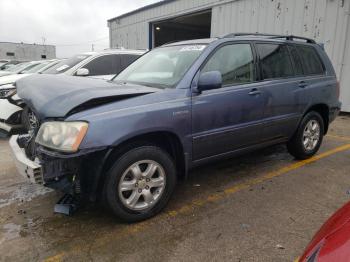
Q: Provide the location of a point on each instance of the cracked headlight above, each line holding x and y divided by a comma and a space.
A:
7, 90
62, 136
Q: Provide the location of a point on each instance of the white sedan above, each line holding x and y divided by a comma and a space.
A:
10, 112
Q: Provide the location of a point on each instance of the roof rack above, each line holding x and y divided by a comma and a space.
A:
272, 36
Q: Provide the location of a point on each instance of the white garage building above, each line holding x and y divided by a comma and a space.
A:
327, 21
26, 52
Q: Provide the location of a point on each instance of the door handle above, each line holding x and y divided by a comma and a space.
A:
254, 92
302, 84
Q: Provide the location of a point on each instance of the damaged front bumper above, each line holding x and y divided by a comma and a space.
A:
53, 174
72, 174
26, 167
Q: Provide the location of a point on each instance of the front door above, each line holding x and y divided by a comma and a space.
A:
229, 118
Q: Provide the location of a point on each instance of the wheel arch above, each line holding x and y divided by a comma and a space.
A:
323, 110
166, 140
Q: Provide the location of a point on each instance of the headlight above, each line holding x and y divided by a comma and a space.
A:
62, 136
7, 90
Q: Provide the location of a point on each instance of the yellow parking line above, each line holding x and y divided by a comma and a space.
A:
56, 258
344, 138
131, 229
258, 180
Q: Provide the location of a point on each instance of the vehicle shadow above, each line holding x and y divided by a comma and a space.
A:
202, 182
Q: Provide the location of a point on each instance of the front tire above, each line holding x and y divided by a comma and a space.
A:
308, 138
140, 183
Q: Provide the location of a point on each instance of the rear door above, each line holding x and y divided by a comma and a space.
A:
228, 118
283, 86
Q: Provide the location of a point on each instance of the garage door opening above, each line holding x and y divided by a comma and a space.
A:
193, 26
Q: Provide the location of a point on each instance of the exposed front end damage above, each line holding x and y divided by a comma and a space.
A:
75, 175
74, 172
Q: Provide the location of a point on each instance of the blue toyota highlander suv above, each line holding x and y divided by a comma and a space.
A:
127, 141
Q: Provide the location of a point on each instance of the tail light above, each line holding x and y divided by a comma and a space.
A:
338, 89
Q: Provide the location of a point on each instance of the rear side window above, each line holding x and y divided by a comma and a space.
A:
234, 62
275, 61
110, 64
311, 61
298, 67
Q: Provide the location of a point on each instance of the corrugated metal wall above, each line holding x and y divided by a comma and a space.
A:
133, 31
325, 20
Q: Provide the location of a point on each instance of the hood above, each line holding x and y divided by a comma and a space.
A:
10, 79
60, 95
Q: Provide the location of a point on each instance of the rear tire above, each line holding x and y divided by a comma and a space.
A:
308, 138
140, 183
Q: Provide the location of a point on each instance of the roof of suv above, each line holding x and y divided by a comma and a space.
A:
248, 37
115, 51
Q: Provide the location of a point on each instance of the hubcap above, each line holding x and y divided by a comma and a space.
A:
142, 185
311, 135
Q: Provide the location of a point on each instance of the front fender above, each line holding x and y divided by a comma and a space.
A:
110, 126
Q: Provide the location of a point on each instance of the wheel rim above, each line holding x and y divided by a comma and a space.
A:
311, 135
142, 185
33, 123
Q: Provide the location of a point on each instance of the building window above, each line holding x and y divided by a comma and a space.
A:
10, 54
43, 56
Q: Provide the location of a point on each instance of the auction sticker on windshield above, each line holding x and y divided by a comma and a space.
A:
192, 48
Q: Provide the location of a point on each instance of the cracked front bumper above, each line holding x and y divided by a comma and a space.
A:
27, 168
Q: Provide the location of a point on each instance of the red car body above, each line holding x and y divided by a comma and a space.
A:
332, 241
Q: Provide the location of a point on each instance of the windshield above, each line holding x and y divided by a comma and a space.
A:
64, 65
162, 67
35, 68
18, 68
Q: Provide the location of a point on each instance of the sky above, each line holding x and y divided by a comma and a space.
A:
72, 25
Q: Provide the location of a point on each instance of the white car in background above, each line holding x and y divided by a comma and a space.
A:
19, 68
105, 64
8, 108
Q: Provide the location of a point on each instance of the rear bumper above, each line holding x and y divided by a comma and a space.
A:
334, 112
26, 167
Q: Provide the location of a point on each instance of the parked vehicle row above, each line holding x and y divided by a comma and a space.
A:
105, 64
5, 64
127, 141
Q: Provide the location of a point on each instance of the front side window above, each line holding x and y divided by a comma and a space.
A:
162, 67
235, 63
312, 64
103, 65
275, 61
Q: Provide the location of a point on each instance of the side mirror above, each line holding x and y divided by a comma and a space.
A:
82, 72
209, 80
